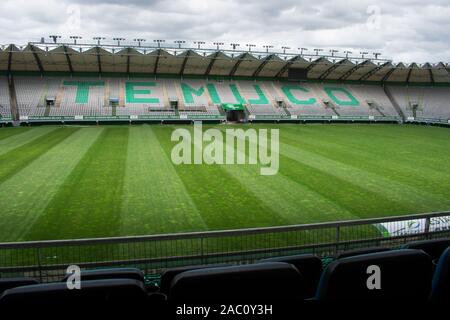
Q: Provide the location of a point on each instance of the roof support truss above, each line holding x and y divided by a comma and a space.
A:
314, 63
430, 70
211, 63
331, 69
36, 58
266, 60
373, 71
236, 66
128, 60
99, 60
387, 75
158, 55
183, 66
287, 66
69, 62
347, 75
409, 74
10, 58
447, 69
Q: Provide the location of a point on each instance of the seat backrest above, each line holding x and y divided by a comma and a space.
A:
403, 274
168, 275
358, 252
441, 280
434, 248
104, 274
309, 266
10, 283
257, 282
94, 292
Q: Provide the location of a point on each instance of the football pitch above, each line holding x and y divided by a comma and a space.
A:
104, 181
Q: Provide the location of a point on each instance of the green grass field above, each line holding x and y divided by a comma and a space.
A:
78, 182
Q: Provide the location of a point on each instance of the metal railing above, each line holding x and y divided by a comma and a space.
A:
48, 260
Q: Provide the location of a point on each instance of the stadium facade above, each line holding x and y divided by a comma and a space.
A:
65, 82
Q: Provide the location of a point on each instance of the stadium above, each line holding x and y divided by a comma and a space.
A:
87, 176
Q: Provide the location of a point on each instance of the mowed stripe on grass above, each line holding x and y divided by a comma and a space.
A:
411, 169
9, 132
25, 195
296, 202
23, 137
222, 200
88, 204
18, 158
155, 200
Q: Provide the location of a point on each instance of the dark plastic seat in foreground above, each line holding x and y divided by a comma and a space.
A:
104, 274
169, 274
434, 248
272, 281
96, 292
10, 283
405, 275
358, 252
309, 266
441, 279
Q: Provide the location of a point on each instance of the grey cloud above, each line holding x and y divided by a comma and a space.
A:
410, 30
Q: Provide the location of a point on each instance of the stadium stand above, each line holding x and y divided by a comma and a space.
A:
421, 102
5, 107
77, 97
199, 80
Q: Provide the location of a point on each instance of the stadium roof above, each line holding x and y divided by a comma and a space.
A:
197, 61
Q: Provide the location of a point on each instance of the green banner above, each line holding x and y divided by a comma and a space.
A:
232, 107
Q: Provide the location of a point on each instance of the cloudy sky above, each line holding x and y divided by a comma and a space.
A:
403, 30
